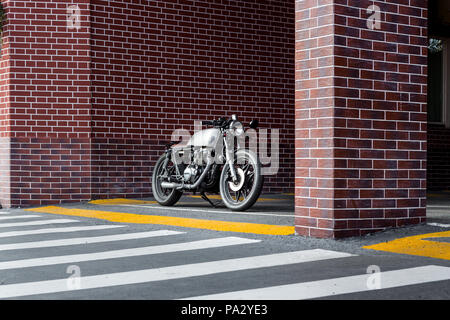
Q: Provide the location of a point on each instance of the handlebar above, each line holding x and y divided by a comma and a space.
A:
222, 122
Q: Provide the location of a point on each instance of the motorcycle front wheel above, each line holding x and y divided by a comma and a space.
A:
165, 197
242, 194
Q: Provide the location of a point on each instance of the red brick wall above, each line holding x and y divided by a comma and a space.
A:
4, 118
161, 65
367, 89
49, 103
91, 123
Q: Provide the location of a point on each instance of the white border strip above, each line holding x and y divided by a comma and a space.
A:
439, 225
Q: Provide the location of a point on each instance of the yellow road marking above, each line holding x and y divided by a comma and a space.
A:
417, 246
218, 197
171, 221
112, 202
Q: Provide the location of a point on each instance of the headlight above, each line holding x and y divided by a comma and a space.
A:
237, 128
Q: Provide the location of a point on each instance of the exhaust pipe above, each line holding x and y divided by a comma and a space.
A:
172, 185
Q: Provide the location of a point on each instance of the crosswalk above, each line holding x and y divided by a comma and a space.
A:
339, 286
34, 249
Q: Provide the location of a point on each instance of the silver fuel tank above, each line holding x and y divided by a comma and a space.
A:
205, 138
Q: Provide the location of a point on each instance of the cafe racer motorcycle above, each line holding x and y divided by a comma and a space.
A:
212, 162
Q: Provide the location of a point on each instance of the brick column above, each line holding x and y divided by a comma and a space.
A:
5, 143
360, 116
49, 101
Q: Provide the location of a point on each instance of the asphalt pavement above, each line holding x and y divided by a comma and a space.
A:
121, 249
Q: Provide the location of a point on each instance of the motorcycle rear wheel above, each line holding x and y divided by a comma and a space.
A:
165, 197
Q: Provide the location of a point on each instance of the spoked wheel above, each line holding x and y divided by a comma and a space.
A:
165, 197
243, 193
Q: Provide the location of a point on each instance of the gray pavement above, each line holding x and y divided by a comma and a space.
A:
276, 209
193, 263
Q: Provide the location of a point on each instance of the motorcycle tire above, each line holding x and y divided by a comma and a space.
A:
165, 197
253, 194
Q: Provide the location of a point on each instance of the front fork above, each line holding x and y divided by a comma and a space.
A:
230, 159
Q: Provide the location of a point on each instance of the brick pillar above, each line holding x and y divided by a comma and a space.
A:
49, 101
5, 143
360, 116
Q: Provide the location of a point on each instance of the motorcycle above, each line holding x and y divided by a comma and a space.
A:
210, 162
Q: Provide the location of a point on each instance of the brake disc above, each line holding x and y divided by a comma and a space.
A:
240, 182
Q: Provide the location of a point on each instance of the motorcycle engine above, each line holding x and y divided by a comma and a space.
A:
196, 167
190, 173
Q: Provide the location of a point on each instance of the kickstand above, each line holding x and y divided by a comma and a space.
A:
204, 197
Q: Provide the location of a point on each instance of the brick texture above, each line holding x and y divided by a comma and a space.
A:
49, 103
361, 103
91, 108
85, 113
5, 143
158, 66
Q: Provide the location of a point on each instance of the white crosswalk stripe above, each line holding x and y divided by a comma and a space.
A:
37, 223
168, 273
134, 252
87, 240
189, 271
338, 286
56, 230
19, 217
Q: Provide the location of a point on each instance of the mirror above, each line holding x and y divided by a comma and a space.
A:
254, 124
